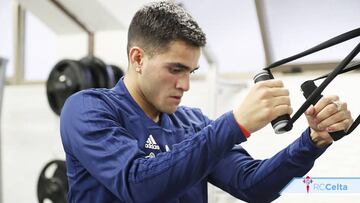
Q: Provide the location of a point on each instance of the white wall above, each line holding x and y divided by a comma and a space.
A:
41, 49
110, 46
232, 32
295, 26
44, 48
30, 138
72, 46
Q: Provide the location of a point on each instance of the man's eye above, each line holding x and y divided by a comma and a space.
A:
193, 71
176, 70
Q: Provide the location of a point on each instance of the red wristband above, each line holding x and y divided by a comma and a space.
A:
244, 131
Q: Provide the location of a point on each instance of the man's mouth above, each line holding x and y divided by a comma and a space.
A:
178, 98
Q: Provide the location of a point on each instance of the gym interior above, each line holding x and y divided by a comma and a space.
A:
44, 44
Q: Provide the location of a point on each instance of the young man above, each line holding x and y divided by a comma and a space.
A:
133, 143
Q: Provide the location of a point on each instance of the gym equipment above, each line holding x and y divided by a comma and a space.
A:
311, 92
280, 122
70, 76
52, 184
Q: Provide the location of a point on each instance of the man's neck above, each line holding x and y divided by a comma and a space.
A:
135, 93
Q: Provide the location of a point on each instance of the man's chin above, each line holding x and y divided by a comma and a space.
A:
170, 110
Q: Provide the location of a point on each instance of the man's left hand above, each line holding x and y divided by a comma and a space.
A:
328, 115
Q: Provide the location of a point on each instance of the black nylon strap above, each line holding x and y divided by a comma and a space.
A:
345, 70
341, 68
325, 83
331, 42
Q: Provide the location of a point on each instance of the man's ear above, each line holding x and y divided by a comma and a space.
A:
136, 57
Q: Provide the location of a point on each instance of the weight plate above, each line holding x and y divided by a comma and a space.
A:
98, 71
65, 79
118, 73
52, 184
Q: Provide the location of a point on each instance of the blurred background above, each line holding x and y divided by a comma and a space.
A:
243, 37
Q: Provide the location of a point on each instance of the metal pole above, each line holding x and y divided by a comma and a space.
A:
19, 41
91, 44
264, 30
2, 83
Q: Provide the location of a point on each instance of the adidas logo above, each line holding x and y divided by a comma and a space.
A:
151, 144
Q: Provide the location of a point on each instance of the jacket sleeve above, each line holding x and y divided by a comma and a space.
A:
91, 133
262, 180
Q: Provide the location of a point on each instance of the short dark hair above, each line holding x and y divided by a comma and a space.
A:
157, 24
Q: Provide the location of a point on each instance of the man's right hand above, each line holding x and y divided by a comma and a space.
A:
266, 101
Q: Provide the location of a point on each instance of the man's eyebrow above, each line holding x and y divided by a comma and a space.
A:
180, 65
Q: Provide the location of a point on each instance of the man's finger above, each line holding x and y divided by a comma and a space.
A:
343, 125
324, 101
271, 83
330, 110
335, 118
278, 91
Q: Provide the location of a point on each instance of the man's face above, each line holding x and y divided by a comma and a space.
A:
166, 76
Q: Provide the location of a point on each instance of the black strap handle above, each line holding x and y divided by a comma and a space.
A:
282, 121
325, 83
308, 87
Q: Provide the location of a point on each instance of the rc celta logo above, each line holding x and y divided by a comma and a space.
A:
307, 182
322, 185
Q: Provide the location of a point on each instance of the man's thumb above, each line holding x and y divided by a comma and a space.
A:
310, 111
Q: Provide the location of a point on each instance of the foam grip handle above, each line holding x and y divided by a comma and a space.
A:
279, 124
308, 87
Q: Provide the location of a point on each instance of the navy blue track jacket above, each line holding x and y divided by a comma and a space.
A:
115, 153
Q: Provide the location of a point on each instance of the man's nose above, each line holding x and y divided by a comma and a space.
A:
183, 83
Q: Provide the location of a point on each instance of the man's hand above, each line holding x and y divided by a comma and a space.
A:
266, 101
328, 115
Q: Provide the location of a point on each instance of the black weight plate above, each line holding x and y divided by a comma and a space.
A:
87, 76
98, 71
52, 184
64, 79
118, 73
111, 76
